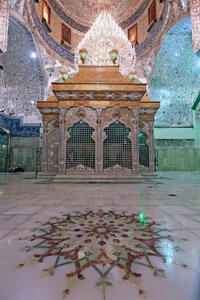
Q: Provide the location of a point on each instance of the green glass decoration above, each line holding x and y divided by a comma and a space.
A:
131, 75
113, 55
65, 76
83, 55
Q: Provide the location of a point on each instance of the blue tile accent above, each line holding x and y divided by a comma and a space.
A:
17, 128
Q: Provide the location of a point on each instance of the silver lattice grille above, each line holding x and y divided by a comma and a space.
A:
80, 148
143, 150
117, 146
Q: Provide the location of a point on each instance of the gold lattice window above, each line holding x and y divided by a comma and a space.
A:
132, 34
152, 12
117, 148
46, 12
80, 147
66, 34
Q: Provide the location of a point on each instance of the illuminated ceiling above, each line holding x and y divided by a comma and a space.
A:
86, 11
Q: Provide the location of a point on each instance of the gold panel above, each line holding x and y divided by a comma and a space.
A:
49, 117
150, 105
99, 103
147, 117
145, 99
100, 87
45, 104
99, 74
52, 98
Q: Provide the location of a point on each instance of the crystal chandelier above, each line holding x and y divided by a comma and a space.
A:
106, 44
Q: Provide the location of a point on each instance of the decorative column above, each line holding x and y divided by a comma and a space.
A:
195, 15
99, 145
151, 147
62, 142
44, 146
4, 19
135, 141
56, 147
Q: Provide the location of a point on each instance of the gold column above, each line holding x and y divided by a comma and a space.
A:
62, 142
99, 145
151, 147
44, 146
135, 141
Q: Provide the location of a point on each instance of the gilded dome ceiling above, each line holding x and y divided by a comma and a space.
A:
86, 11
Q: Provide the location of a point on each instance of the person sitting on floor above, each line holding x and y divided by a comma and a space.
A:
18, 168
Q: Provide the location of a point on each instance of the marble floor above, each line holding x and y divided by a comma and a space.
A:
172, 201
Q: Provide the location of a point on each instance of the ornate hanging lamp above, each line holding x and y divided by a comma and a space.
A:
106, 44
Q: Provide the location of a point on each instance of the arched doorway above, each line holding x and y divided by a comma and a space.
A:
80, 148
117, 146
143, 150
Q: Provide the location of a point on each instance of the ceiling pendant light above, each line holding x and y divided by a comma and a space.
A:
106, 44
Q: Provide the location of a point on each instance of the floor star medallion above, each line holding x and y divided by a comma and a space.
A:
102, 240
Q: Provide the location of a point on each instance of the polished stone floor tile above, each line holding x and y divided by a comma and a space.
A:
23, 209
152, 212
194, 207
13, 222
175, 202
3, 232
3, 218
27, 201
7, 201
6, 207
187, 222
13, 233
27, 282
194, 201
49, 201
31, 222
176, 210
195, 217
150, 202
197, 232
172, 200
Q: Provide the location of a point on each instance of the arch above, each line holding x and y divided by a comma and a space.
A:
117, 147
80, 147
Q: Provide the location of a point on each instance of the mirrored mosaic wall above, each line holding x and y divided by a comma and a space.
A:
4, 15
21, 77
176, 77
12, 3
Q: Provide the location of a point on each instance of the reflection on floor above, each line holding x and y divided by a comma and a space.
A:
115, 246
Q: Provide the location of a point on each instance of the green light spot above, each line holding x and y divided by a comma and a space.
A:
142, 217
